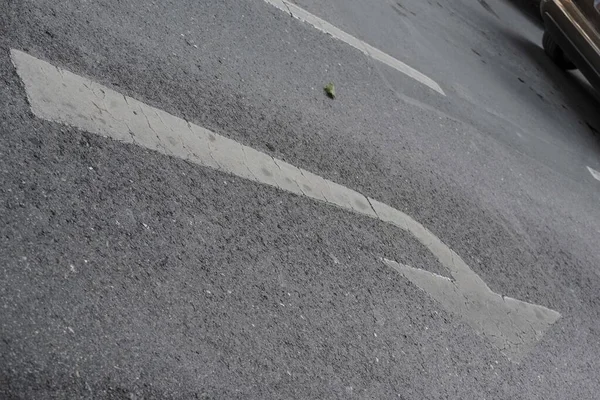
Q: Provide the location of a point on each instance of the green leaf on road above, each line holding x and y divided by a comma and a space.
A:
330, 90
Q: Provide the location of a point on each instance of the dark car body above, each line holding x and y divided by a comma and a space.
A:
572, 35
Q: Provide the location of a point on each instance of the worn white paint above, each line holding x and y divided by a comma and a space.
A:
594, 173
57, 95
365, 48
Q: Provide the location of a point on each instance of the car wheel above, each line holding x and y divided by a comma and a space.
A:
555, 53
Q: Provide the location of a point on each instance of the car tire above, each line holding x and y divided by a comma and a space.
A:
555, 53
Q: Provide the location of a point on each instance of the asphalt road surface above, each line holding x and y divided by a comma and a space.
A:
132, 270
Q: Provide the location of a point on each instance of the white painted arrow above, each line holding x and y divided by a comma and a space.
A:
594, 173
57, 95
358, 44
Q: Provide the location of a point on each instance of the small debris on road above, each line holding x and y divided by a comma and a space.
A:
330, 90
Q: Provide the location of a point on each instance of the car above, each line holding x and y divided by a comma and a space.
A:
572, 35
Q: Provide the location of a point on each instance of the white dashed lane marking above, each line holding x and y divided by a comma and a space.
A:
365, 48
594, 173
57, 95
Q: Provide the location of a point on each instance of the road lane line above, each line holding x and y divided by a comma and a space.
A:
358, 44
594, 173
57, 95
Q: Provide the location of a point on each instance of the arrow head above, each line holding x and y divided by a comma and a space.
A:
512, 326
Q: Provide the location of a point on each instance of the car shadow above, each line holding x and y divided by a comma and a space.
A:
573, 89
530, 9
